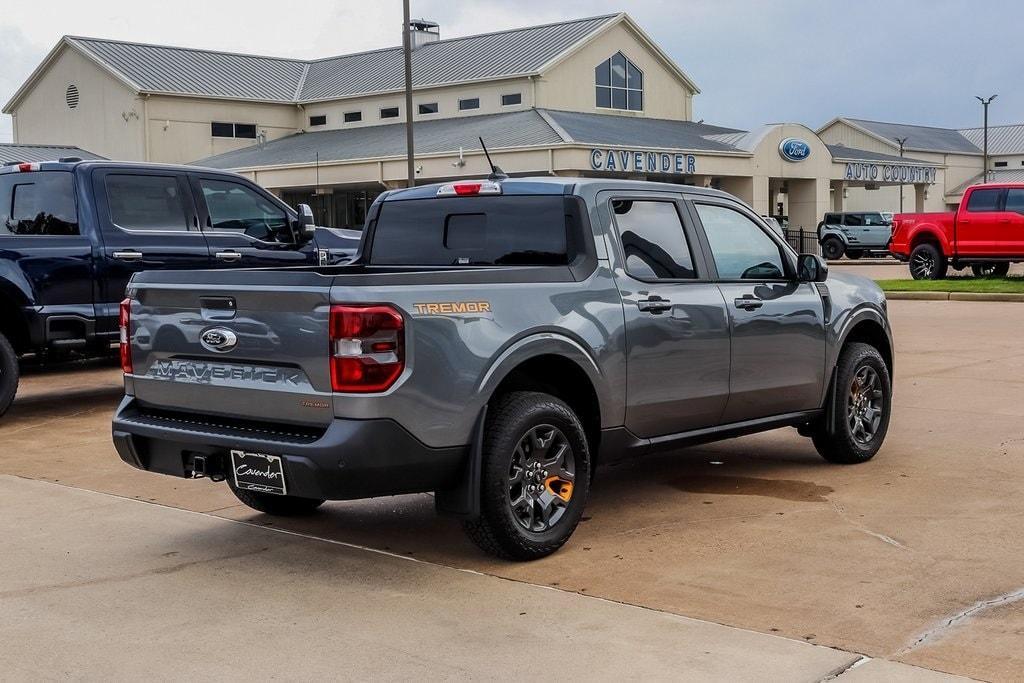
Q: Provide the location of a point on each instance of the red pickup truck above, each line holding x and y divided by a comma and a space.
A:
985, 233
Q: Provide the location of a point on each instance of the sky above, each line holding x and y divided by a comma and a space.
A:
755, 61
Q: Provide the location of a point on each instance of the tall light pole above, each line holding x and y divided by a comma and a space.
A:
902, 142
984, 104
407, 49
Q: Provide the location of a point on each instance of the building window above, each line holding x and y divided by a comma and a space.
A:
389, 112
429, 108
318, 120
469, 103
233, 130
511, 99
1001, 164
620, 84
353, 116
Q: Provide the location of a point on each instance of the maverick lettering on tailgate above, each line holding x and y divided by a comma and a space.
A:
206, 373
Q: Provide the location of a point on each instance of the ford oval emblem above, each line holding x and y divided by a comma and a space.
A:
218, 339
794, 149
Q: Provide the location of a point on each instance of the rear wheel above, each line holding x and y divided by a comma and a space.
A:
832, 248
990, 269
8, 374
535, 477
927, 262
280, 506
854, 254
863, 402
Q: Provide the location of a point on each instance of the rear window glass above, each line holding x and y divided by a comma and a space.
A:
38, 203
528, 231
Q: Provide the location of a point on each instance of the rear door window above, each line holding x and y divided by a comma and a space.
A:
984, 200
38, 203
653, 241
146, 202
853, 220
505, 230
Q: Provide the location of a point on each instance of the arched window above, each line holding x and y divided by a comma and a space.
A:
620, 84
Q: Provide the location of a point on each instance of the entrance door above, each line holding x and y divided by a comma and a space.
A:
677, 328
777, 322
245, 228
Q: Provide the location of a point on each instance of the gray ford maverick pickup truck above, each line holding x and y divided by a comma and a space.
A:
494, 341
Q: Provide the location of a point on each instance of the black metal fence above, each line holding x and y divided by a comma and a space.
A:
803, 241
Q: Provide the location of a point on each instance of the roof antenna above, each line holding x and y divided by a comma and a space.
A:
496, 172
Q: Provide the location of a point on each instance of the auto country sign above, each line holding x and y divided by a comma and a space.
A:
891, 173
642, 161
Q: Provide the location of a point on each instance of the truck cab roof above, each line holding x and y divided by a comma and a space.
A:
552, 185
74, 163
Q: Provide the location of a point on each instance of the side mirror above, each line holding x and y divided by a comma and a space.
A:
305, 226
811, 268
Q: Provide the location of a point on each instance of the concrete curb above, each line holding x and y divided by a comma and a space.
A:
955, 296
866, 262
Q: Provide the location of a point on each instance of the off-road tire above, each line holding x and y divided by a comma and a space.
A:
9, 374
986, 270
927, 262
510, 418
854, 254
279, 506
842, 447
832, 248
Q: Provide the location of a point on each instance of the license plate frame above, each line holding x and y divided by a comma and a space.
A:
259, 472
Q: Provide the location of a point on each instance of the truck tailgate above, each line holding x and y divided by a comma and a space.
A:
250, 344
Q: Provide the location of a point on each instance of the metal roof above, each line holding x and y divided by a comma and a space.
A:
919, 138
998, 175
850, 154
627, 131
515, 129
209, 73
1001, 139
15, 152
486, 56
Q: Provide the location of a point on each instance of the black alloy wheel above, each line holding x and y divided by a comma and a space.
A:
540, 478
928, 263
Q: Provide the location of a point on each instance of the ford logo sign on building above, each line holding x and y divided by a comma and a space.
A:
218, 339
794, 149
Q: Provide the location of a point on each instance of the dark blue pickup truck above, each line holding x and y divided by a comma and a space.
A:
72, 233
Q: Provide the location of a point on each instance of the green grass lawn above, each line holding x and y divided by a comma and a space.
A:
1013, 284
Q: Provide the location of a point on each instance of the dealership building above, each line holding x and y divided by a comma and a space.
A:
592, 97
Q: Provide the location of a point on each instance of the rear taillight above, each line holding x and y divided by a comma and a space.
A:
28, 168
124, 320
367, 348
469, 189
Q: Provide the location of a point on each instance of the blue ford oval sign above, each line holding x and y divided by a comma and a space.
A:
794, 149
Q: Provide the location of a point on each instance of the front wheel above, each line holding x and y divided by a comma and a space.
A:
927, 262
863, 404
986, 270
832, 248
535, 477
8, 374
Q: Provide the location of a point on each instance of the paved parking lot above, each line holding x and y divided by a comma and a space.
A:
915, 557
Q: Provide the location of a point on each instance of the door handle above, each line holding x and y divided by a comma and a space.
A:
229, 256
127, 255
655, 304
748, 303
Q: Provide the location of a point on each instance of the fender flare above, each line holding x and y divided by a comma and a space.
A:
865, 312
929, 230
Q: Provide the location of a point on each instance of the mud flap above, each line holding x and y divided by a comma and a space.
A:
463, 500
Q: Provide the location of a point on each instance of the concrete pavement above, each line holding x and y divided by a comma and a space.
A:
99, 587
915, 556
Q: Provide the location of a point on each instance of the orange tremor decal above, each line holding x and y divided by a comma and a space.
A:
445, 307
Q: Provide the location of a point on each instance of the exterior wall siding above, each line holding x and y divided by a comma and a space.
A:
107, 121
570, 84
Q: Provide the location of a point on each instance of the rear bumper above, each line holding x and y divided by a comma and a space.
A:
350, 459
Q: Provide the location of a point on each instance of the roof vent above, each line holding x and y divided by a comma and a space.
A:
422, 32
71, 96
